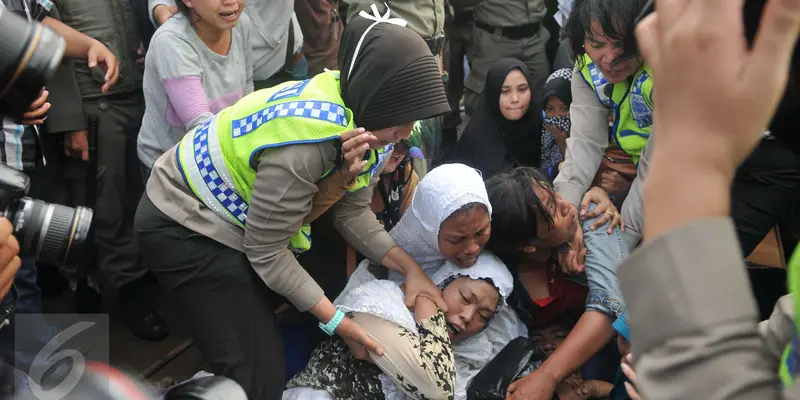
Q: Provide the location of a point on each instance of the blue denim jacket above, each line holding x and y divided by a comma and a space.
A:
604, 254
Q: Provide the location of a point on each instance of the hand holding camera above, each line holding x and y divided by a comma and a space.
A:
9, 259
37, 112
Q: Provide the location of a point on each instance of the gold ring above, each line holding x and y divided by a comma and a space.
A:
611, 213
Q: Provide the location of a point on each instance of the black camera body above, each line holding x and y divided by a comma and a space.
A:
52, 233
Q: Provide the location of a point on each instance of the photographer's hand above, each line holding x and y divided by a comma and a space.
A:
37, 111
9, 259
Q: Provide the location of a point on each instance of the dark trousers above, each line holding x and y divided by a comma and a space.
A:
226, 308
119, 185
458, 37
766, 187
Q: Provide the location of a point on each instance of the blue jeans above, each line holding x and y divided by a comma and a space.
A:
604, 254
20, 350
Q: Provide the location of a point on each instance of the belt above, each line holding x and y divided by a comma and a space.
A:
512, 32
435, 44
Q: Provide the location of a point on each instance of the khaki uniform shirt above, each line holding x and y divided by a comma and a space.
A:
508, 13
426, 17
692, 318
286, 182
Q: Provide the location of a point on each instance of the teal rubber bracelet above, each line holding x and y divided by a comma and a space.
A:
331, 326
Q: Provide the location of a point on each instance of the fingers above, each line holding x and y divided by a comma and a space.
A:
411, 299
347, 135
601, 206
511, 389
616, 221
371, 345
9, 259
355, 169
85, 154
112, 72
670, 11
629, 372
439, 302
359, 143
607, 216
647, 37
91, 56
40, 101
569, 262
584, 205
36, 113
774, 43
634, 395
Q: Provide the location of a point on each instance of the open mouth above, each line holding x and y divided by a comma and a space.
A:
229, 15
614, 71
468, 262
453, 330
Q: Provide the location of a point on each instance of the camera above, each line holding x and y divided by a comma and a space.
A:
30, 54
52, 233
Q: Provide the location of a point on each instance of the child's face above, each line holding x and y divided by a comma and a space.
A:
554, 107
551, 337
623, 345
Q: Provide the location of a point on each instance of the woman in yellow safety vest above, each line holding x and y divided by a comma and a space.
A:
610, 82
225, 207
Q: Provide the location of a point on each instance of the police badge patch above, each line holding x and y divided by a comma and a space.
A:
641, 111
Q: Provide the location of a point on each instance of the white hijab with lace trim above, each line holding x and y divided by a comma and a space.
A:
385, 299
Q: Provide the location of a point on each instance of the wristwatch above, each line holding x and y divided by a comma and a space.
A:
331, 326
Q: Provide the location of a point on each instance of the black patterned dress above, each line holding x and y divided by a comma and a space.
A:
334, 369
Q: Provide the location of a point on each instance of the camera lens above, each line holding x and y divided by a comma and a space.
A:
53, 233
29, 56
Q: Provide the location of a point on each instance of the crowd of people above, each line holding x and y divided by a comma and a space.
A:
414, 185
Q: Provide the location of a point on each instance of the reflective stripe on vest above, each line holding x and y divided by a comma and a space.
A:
218, 159
633, 113
209, 177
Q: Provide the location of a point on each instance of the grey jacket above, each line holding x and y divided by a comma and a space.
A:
692, 319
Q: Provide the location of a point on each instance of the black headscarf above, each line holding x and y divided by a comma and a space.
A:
490, 142
395, 79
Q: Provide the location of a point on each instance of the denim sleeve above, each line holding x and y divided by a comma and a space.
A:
604, 253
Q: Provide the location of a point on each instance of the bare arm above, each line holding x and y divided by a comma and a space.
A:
80, 46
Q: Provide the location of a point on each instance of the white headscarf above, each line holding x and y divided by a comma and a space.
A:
443, 191
384, 299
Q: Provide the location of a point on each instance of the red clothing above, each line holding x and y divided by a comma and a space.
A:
567, 299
